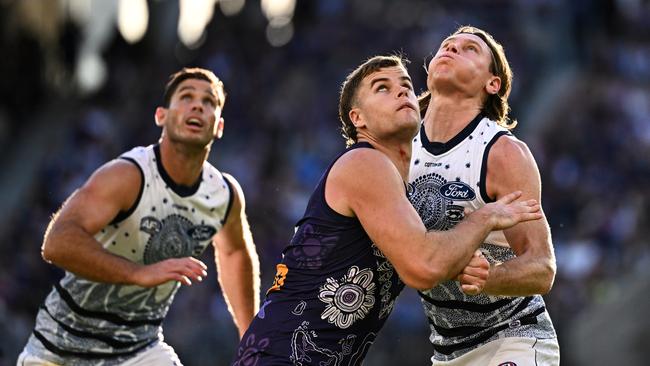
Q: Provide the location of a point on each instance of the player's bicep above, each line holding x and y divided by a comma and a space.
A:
376, 194
390, 220
511, 167
111, 189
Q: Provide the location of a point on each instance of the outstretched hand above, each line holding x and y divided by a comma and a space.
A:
184, 270
506, 213
473, 277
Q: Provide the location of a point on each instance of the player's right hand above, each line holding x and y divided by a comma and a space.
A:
184, 270
506, 212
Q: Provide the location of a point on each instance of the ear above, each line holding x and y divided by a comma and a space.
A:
493, 85
160, 115
356, 118
220, 124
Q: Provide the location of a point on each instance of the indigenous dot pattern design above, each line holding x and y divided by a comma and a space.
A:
446, 182
109, 318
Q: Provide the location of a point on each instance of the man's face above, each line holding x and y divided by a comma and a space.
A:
461, 63
386, 104
194, 114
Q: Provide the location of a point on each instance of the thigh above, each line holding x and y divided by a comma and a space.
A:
26, 359
160, 355
526, 352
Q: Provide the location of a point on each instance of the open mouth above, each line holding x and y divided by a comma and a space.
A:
194, 123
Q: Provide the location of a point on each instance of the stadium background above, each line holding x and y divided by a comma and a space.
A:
75, 93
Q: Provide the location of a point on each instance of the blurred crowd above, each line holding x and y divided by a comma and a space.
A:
581, 95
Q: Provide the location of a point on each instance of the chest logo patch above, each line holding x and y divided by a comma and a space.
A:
173, 237
437, 210
457, 191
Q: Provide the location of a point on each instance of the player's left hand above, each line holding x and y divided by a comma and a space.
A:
473, 277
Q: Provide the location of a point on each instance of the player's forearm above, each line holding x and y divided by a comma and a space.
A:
455, 247
520, 277
70, 247
239, 279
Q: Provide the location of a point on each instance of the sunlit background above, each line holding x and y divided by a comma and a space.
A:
80, 79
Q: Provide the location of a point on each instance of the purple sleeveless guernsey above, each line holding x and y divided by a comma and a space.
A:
332, 293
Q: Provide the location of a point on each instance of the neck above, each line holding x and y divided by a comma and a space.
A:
182, 163
446, 116
398, 152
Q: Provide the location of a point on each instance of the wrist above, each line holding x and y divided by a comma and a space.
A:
132, 273
484, 217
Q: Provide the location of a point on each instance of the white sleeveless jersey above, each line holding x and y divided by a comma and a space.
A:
85, 322
446, 178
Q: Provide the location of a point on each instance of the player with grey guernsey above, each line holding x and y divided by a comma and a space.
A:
131, 235
463, 158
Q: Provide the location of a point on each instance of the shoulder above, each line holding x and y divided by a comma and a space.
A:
235, 190
139, 154
124, 170
234, 184
508, 150
362, 160
511, 166
141, 158
362, 171
119, 177
119, 181
362, 182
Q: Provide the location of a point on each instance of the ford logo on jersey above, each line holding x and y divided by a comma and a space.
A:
201, 232
457, 191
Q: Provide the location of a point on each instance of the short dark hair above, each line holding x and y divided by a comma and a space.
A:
351, 84
194, 73
496, 106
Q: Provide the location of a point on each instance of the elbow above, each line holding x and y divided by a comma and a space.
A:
547, 278
421, 277
47, 251
48, 248
50, 251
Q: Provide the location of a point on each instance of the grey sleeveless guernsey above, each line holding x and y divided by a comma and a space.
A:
88, 323
446, 178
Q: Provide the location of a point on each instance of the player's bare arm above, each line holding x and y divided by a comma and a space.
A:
533, 270
69, 241
365, 183
237, 262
